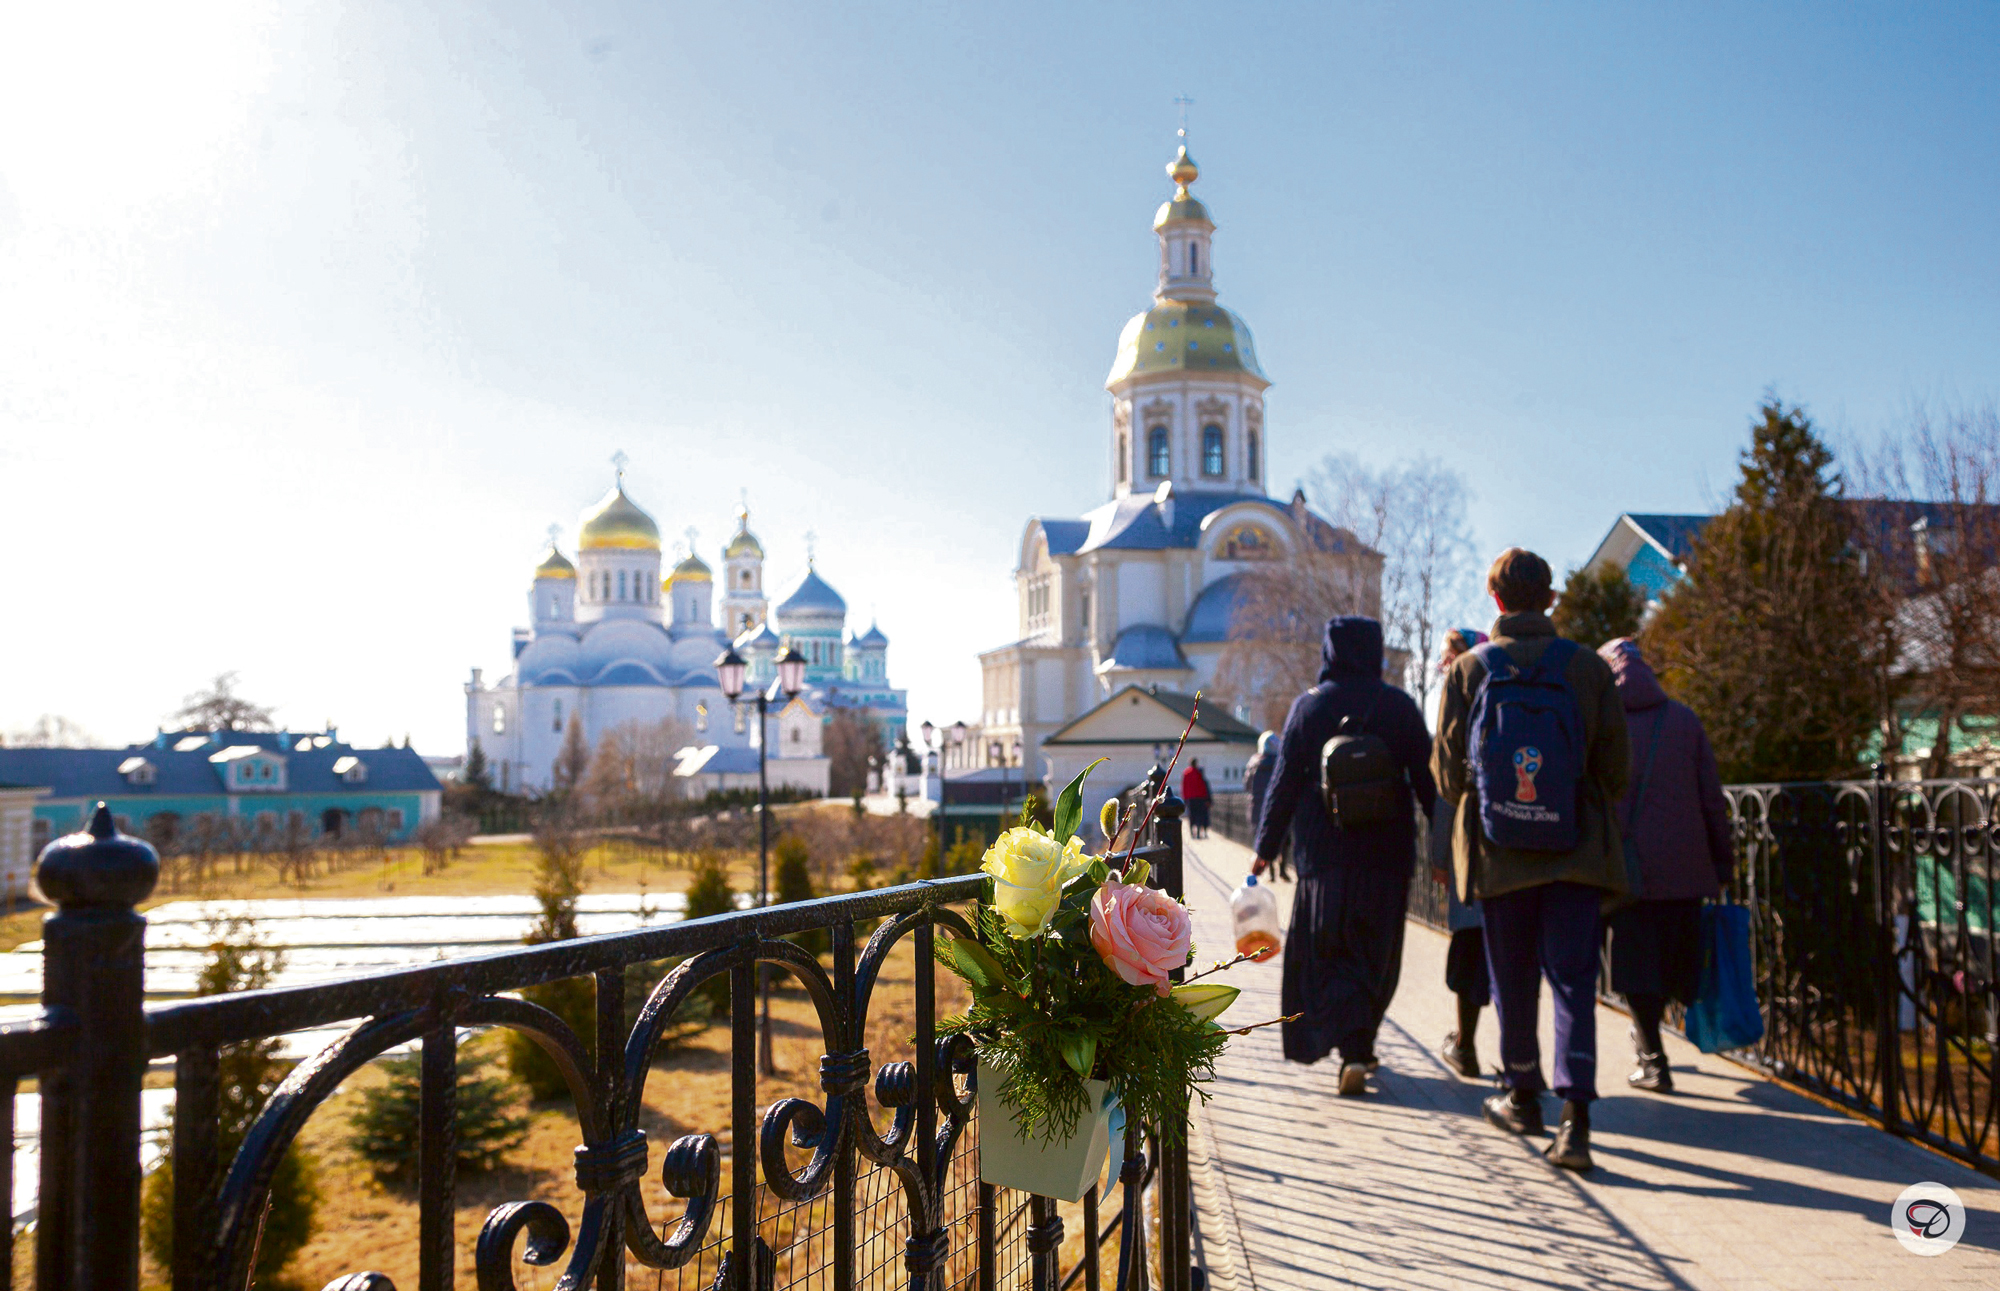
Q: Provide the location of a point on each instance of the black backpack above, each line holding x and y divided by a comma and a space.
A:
1360, 779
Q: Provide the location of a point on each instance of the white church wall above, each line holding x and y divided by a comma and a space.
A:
1141, 592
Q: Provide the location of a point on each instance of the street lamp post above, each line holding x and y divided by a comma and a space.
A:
939, 740
729, 670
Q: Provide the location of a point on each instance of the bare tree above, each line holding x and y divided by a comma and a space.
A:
1932, 561
632, 770
1413, 513
572, 759
853, 743
51, 731
220, 708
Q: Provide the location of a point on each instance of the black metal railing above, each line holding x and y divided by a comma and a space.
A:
800, 1194
1872, 909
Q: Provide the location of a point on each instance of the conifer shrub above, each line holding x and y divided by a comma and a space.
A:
710, 894
794, 883
383, 1130
240, 960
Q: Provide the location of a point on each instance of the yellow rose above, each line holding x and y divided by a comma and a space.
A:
1029, 869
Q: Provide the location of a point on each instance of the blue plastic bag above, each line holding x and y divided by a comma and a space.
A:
1724, 1014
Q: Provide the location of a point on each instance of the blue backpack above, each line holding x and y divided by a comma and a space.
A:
1526, 750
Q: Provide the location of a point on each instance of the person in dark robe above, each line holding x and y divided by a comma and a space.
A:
1344, 951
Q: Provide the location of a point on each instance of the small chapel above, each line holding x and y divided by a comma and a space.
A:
612, 644
1144, 592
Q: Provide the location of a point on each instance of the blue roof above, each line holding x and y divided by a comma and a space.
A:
1064, 536
1215, 610
1676, 533
1136, 523
93, 773
813, 595
1145, 646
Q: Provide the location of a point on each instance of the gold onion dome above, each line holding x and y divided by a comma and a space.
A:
744, 543
555, 565
691, 570
1184, 336
1181, 206
618, 522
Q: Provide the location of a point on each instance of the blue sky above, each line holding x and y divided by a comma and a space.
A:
313, 317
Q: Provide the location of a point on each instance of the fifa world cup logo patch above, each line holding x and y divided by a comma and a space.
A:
1527, 761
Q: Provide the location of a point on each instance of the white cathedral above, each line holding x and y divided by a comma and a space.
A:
1143, 592
611, 645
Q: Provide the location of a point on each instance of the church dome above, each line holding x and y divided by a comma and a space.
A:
812, 597
618, 522
691, 570
555, 565
1182, 206
744, 543
1184, 336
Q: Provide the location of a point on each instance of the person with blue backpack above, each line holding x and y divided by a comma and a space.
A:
1531, 750
1352, 769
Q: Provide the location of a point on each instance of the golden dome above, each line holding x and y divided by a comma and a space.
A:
617, 522
554, 565
691, 570
1181, 207
744, 543
1185, 336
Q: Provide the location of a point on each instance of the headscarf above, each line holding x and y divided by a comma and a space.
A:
1457, 642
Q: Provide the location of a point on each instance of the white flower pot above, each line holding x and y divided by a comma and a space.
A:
1064, 1169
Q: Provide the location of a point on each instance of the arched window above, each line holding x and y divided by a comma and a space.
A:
1159, 459
1251, 444
499, 719
1211, 450
1194, 258
621, 584
557, 724
1124, 457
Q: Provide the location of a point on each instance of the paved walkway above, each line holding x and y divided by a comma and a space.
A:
1735, 1182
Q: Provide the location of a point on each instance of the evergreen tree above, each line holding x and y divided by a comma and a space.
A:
572, 759
1600, 607
249, 1072
477, 776
794, 883
557, 885
383, 1131
710, 894
1770, 636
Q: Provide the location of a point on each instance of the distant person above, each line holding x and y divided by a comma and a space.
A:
1194, 791
1531, 750
1676, 821
1344, 951
1465, 973
1257, 779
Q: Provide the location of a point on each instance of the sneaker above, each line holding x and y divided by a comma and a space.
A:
1460, 1059
1353, 1079
1570, 1148
1515, 1111
1652, 1074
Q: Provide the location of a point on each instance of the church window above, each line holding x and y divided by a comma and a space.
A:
798, 736
499, 719
621, 584
1194, 258
557, 723
1083, 613
1211, 450
1159, 459
1252, 445
1124, 452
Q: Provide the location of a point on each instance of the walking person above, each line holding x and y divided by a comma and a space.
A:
1675, 823
1344, 951
1194, 792
1531, 751
1257, 780
1465, 973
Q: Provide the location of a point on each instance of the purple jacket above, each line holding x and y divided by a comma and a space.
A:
1675, 812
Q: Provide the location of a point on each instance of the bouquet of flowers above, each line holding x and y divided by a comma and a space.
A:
1070, 979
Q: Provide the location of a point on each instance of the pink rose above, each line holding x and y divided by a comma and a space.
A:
1141, 933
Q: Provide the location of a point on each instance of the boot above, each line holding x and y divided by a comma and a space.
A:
1353, 1079
1570, 1148
1652, 1074
1517, 1111
1460, 1059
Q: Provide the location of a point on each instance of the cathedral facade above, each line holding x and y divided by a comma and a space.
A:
611, 644
1146, 589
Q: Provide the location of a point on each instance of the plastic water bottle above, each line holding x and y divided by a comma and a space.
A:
1254, 909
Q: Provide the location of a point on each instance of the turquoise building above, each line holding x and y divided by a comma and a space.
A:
259, 784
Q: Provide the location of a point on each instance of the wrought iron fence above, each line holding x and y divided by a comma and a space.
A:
828, 1195
1872, 909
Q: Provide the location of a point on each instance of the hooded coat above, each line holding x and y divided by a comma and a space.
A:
1674, 812
1350, 685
